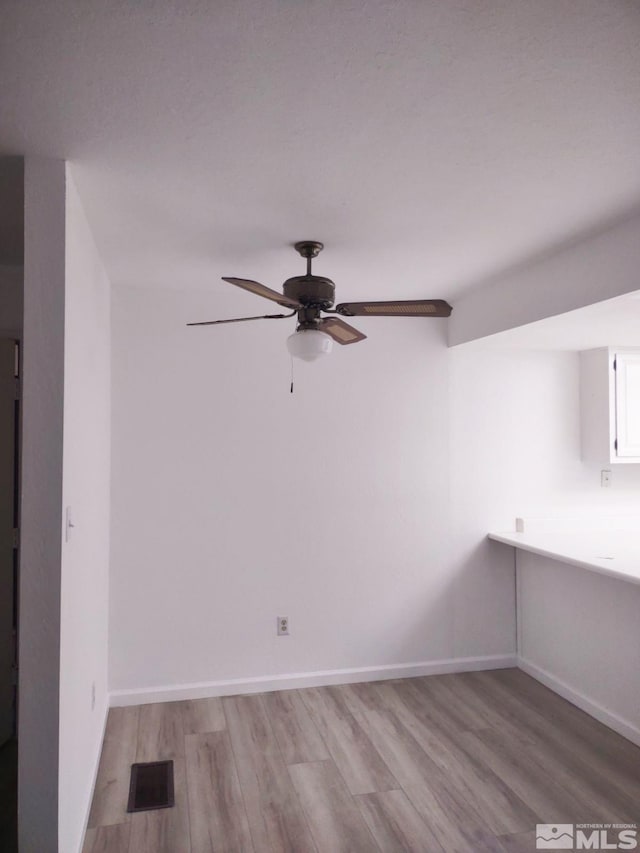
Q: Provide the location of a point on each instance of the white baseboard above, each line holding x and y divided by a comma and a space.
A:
290, 681
609, 718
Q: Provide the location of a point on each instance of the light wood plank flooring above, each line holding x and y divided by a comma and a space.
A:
445, 763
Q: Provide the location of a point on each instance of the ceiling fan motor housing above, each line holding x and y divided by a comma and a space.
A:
311, 290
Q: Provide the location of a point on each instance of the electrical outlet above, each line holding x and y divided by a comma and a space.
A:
283, 626
605, 478
93, 695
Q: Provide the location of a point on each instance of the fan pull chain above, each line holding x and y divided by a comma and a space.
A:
291, 392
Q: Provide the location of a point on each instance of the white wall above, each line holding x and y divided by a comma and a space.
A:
235, 501
580, 634
11, 299
358, 506
65, 461
41, 513
85, 557
600, 266
515, 438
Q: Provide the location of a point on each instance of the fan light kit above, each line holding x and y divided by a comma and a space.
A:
309, 344
309, 296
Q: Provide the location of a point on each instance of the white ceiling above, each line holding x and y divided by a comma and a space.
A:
428, 144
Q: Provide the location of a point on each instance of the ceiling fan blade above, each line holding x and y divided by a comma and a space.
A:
340, 331
242, 319
407, 308
263, 290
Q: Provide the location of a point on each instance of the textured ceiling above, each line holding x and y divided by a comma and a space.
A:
428, 144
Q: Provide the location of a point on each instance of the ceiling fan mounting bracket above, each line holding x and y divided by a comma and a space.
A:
308, 248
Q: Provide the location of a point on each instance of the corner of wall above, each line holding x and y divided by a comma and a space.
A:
41, 504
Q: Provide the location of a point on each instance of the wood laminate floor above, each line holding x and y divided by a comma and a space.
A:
465, 763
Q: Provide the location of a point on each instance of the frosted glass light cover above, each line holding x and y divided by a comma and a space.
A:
309, 344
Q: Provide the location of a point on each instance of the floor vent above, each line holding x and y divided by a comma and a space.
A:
151, 786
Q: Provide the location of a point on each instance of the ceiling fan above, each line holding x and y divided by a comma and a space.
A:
309, 296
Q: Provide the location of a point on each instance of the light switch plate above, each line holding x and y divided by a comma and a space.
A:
68, 524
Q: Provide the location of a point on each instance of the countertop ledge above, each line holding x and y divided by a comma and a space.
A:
614, 553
